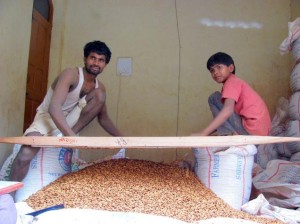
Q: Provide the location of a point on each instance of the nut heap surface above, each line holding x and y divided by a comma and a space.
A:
137, 186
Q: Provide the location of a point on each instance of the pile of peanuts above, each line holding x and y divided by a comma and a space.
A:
138, 186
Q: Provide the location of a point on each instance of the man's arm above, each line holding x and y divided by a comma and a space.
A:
224, 114
107, 124
65, 81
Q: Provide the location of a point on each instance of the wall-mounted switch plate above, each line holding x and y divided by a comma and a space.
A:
124, 66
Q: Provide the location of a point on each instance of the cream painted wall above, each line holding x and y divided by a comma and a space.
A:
15, 25
295, 9
169, 42
255, 52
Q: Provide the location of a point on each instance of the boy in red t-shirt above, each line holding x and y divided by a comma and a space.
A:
238, 109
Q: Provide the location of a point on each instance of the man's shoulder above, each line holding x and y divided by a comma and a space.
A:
100, 85
70, 70
71, 74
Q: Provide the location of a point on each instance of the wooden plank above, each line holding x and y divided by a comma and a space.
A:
145, 142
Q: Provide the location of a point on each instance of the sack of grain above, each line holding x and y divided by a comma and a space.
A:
289, 43
279, 183
293, 130
294, 106
48, 165
227, 172
295, 78
6, 168
295, 157
296, 48
265, 153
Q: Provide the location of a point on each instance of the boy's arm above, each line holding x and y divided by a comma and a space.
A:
224, 114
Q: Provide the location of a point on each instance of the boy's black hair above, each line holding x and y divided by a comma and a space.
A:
99, 48
220, 58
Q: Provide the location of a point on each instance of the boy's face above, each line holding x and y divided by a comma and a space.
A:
221, 72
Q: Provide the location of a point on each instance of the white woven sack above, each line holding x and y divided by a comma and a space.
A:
295, 78
228, 173
294, 106
293, 130
295, 157
93, 216
265, 153
293, 35
296, 49
280, 183
6, 168
48, 165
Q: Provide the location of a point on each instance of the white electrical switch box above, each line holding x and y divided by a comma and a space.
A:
124, 66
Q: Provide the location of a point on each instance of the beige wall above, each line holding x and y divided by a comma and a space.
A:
169, 42
295, 9
15, 25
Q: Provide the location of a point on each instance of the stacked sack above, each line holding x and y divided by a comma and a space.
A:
280, 123
226, 171
48, 165
292, 43
279, 179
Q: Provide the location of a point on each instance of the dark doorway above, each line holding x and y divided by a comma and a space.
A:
38, 63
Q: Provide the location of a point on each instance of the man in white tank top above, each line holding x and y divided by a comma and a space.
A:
74, 99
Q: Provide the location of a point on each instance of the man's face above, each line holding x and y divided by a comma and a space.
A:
95, 63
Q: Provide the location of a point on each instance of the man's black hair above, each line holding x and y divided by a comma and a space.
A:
99, 48
220, 58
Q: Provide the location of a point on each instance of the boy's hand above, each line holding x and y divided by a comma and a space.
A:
198, 134
202, 133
